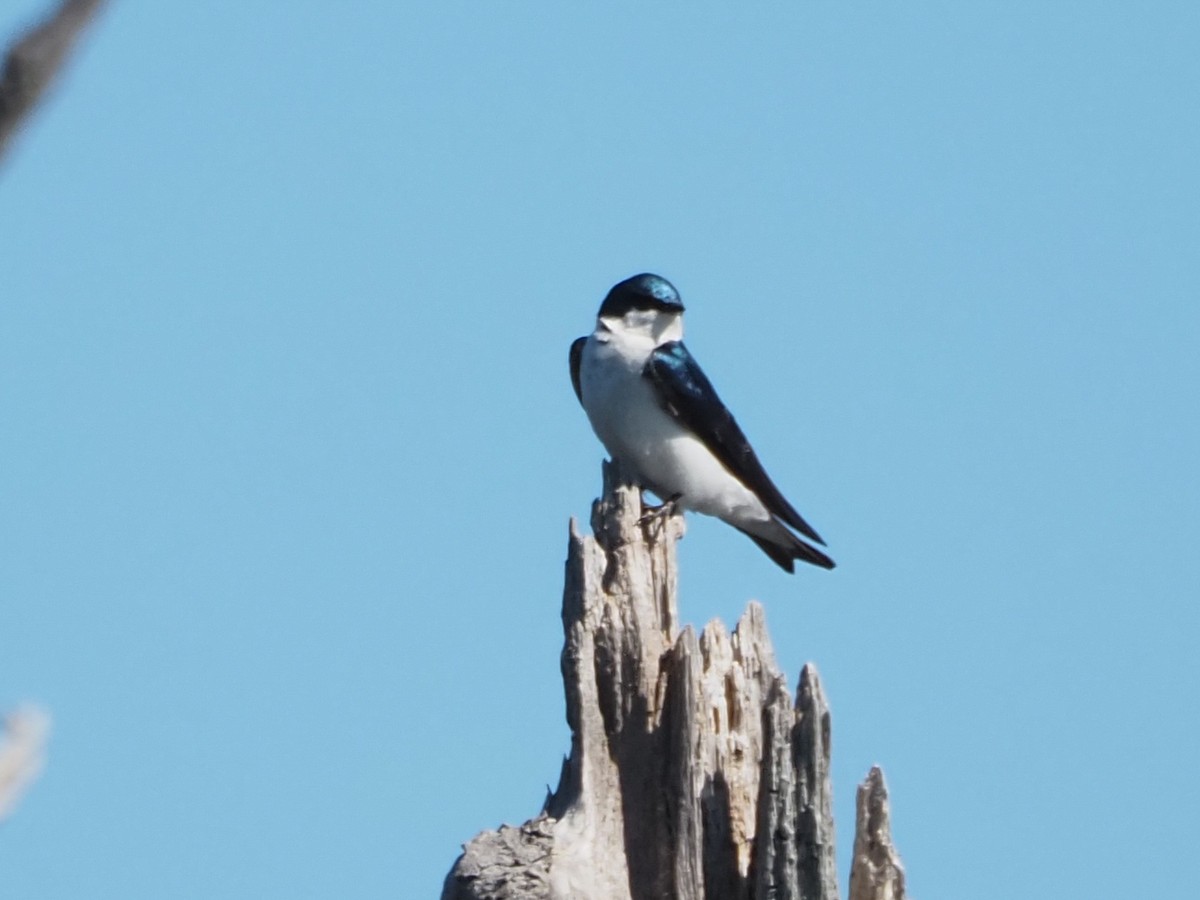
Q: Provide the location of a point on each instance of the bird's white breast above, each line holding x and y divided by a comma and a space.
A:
626, 414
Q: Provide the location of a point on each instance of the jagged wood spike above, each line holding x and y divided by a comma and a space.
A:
875, 872
814, 794
776, 852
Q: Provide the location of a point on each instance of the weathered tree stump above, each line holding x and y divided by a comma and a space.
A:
691, 774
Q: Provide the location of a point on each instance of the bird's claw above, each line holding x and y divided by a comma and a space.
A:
659, 514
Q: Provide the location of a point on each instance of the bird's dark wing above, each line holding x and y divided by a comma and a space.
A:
576, 356
689, 396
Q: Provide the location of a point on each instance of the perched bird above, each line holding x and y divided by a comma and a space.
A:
655, 411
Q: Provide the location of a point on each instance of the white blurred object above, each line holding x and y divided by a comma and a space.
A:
22, 754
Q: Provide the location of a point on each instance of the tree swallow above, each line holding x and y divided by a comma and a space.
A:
655, 411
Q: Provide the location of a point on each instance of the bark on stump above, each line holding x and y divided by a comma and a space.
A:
691, 774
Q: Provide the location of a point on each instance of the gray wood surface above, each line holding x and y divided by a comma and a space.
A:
875, 873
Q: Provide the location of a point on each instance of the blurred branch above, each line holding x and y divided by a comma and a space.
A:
22, 753
35, 59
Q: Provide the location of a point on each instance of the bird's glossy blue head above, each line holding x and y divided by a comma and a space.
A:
643, 293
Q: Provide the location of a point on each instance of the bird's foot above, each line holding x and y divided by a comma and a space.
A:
657, 515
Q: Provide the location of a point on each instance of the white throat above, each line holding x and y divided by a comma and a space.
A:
644, 326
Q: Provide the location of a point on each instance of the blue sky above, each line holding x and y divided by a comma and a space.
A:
289, 446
